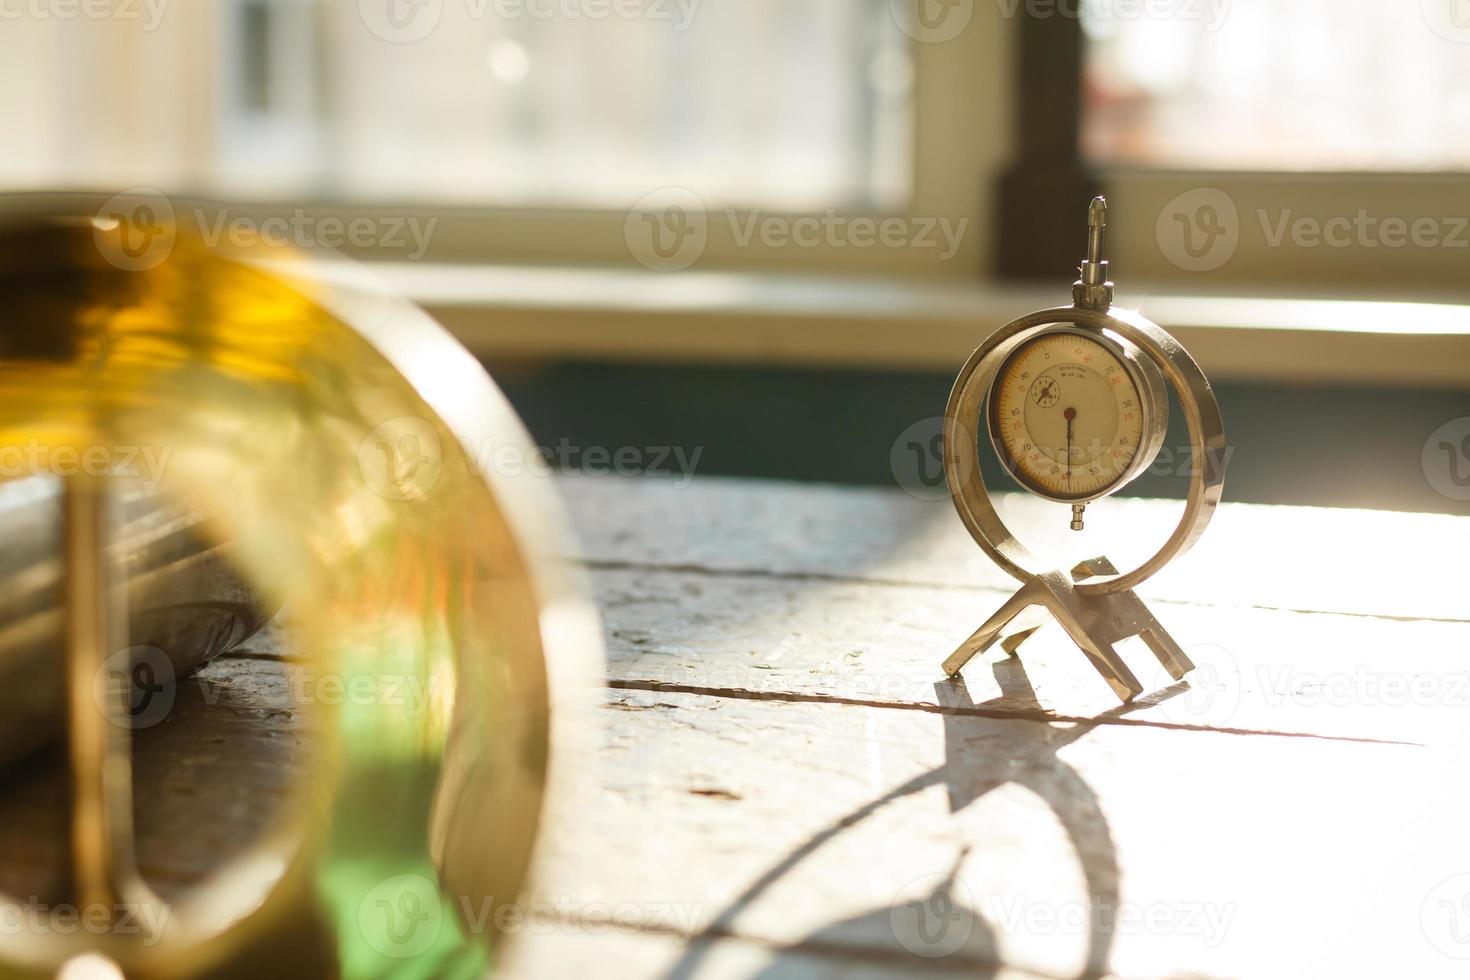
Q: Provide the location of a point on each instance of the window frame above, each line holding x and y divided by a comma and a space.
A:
528, 284
956, 139
1281, 217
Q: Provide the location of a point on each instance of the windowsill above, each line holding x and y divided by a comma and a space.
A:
732, 317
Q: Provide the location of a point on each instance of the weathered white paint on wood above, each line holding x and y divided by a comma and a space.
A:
1258, 670
781, 771
1317, 559
807, 824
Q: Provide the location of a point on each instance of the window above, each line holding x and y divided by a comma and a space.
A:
791, 104
1334, 85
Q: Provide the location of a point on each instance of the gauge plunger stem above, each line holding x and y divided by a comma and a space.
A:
1094, 290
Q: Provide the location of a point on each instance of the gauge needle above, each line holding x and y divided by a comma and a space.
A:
1069, 415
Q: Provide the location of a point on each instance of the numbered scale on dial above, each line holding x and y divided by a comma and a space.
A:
1075, 416
1073, 400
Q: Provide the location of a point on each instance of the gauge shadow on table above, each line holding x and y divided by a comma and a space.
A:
938, 928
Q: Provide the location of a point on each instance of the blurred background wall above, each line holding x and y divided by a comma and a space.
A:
727, 172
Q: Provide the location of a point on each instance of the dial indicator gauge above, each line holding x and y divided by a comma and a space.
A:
1075, 415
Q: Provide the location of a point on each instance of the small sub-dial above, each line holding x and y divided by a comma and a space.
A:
1045, 391
1067, 416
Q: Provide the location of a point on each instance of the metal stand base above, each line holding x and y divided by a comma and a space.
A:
1095, 623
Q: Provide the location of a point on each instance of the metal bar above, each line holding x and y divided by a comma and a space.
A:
185, 599
98, 742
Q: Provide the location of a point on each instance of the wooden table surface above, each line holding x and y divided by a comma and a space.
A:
786, 785
778, 780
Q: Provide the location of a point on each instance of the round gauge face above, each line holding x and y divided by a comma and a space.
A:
1067, 415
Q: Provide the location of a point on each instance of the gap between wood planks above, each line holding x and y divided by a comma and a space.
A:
974, 711
270, 641
608, 565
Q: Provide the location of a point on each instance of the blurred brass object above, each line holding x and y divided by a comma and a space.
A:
327, 443
185, 599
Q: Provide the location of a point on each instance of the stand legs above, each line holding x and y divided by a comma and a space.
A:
1094, 623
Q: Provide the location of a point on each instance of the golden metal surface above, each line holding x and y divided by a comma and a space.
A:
98, 747
1094, 602
185, 599
339, 440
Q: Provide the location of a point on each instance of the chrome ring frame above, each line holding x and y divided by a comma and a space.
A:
1196, 398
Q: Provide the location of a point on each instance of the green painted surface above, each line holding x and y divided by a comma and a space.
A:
1322, 446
